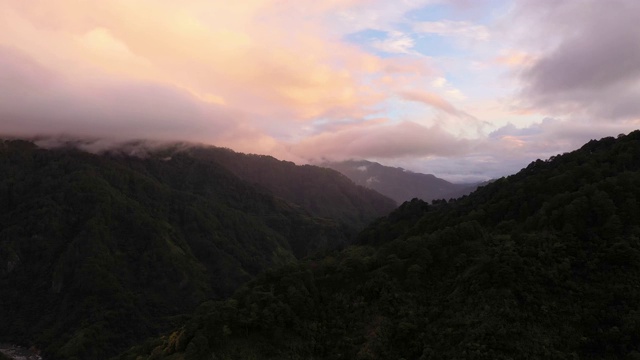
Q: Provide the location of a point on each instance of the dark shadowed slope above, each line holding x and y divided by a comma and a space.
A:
544, 264
98, 251
320, 191
399, 184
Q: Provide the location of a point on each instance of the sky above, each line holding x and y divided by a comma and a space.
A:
467, 90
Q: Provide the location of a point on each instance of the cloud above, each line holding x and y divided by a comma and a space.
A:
285, 78
371, 180
395, 43
377, 14
230, 74
590, 59
449, 117
279, 64
514, 58
35, 100
548, 137
399, 140
431, 99
510, 148
229, 53
458, 29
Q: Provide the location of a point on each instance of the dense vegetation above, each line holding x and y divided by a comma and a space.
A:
100, 251
544, 264
320, 191
397, 183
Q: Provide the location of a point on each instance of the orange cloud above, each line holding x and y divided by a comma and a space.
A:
515, 58
253, 75
237, 53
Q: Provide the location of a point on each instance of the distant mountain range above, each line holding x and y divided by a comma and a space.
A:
399, 184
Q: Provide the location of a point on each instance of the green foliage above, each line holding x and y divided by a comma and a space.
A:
99, 252
320, 191
589, 191
544, 264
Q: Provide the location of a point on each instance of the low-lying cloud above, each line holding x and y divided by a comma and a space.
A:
35, 100
406, 139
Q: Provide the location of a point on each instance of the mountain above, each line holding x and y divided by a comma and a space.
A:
320, 191
100, 251
543, 264
397, 183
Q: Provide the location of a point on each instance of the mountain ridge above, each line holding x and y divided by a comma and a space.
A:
542, 264
397, 183
100, 250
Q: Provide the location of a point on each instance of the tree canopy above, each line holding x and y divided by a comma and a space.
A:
542, 264
98, 252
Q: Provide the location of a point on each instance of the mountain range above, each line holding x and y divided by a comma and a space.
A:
209, 259
543, 264
399, 184
98, 251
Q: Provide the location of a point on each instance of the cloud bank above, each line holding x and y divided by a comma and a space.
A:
465, 89
593, 66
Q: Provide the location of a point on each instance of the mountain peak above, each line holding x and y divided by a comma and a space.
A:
397, 183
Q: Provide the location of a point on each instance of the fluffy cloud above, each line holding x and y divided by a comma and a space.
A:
284, 78
234, 75
589, 62
232, 54
431, 99
35, 100
396, 42
510, 148
458, 29
406, 139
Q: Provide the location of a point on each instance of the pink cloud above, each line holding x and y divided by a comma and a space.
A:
230, 53
34, 100
385, 141
277, 77
235, 74
431, 99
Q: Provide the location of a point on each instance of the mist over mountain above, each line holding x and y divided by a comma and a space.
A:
542, 264
397, 183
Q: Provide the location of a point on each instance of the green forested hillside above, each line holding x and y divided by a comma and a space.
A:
544, 264
100, 251
590, 193
320, 191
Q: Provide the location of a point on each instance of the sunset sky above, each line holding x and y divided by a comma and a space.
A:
464, 89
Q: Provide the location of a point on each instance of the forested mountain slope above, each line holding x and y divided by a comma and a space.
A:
99, 251
320, 191
590, 192
544, 264
397, 183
